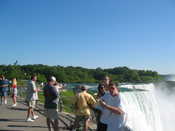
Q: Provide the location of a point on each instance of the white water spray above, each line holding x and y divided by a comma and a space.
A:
142, 108
166, 100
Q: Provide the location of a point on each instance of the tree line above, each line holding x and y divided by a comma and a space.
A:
78, 74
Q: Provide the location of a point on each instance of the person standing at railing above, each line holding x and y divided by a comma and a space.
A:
83, 104
51, 103
14, 92
0, 90
4, 83
32, 96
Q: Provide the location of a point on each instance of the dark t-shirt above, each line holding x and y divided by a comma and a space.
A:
4, 85
50, 94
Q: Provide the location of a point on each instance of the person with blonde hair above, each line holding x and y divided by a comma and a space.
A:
14, 91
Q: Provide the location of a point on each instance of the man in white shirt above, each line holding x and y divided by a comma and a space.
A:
112, 113
32, 96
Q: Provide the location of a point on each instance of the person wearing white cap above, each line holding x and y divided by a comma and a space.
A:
50, 104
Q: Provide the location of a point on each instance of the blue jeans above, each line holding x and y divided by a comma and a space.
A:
4, 91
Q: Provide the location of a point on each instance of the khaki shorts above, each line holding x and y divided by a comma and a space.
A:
51, 113
79, 120
31, 104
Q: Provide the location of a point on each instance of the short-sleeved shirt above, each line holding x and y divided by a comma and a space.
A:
32, 93
113, 120
83, 102
51, 97
4, 85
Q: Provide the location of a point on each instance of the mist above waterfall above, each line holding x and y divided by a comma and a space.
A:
153, 109
141, 107
166, 101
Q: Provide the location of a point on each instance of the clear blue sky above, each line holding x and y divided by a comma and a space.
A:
139, 34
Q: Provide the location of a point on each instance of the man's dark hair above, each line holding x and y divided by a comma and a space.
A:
2, 77
101, 85
83, 88
32, 77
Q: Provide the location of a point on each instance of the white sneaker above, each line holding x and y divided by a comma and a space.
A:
35, 117
14, 105
29, 120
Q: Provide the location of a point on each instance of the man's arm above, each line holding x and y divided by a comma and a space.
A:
5, 85
59, 86
114, 109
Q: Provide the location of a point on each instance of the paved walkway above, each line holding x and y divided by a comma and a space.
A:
13, 119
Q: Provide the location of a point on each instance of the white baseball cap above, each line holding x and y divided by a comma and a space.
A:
53, 78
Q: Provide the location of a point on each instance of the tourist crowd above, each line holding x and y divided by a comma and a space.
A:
106, 105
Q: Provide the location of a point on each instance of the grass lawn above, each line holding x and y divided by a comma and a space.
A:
67, 98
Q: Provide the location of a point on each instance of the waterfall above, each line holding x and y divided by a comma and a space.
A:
141, 107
